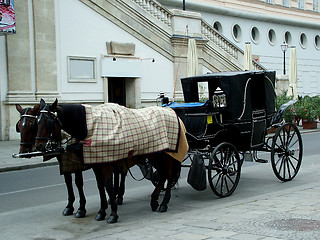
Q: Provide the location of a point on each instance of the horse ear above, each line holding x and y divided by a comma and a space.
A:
36, 109
54, 106
42, 103
19, 108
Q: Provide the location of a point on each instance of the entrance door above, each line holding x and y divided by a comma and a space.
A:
117, 90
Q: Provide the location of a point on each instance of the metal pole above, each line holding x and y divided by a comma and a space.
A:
284, 62
183, 5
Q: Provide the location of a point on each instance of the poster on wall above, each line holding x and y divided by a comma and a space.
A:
7, 17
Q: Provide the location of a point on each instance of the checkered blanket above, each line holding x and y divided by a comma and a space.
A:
116, 132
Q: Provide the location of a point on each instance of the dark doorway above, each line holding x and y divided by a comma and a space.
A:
117, 90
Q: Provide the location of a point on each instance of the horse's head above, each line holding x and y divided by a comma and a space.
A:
27, 127
49, 127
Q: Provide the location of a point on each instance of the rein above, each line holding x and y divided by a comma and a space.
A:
134, 178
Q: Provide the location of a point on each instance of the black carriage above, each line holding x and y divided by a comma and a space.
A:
232, 126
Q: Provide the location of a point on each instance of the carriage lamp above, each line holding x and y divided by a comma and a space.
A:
219, 98
163, 98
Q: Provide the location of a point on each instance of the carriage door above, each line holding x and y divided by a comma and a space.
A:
117, 90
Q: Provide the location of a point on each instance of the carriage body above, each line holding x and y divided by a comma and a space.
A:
247, 112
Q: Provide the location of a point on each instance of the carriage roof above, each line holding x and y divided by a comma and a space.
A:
252, 90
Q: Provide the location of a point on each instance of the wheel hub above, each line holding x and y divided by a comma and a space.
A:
289, 152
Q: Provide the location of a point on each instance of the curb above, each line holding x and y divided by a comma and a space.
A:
28, 166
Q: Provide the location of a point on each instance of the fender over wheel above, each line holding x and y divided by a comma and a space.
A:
286, 152
224, 169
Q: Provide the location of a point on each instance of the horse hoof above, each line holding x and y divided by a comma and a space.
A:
154, 206
100, 216
81, 213
67, 211
163, 208
112, 219
120, 200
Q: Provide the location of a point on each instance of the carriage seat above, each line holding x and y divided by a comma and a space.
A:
193, 116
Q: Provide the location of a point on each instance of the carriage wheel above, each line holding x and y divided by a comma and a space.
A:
224, 169
286, 152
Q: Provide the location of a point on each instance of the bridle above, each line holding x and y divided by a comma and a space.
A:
52, 120
27, 117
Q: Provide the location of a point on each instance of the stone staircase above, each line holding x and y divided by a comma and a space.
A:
159, 28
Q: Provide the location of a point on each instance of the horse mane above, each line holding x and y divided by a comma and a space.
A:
73, 119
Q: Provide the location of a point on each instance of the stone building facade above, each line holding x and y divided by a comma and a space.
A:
95, 51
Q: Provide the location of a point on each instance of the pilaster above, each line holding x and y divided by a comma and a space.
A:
45, 49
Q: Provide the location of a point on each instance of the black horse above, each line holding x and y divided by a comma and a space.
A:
27, 127
72, 119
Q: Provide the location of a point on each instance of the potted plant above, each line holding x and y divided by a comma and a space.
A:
306, 110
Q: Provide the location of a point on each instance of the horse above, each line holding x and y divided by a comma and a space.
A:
27, 127
72, 119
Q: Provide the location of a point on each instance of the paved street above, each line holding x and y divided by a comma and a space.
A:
262, 207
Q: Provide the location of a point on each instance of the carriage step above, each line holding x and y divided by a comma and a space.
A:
261, 160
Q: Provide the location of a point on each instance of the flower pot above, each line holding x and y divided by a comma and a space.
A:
309, 124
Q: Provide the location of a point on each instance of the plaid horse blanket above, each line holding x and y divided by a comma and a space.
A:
116, 132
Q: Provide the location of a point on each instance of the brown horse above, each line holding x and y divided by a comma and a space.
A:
72, 119
27, 127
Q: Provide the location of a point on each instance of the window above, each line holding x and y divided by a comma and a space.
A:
301, 4
316, 5
255, 35
81, 69
269, 1
303, 40
287, 37
236, 32
272, 37
286, 3
217, 26
317, 42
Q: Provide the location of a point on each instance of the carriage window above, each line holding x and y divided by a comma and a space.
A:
81, 69
203, 91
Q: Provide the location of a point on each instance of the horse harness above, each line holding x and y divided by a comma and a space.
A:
52, 120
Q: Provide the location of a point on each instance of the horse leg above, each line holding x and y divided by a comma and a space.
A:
101, 215
155, 194
122, 187
81, 213
108, 173
116, 180
71, 198
166, 199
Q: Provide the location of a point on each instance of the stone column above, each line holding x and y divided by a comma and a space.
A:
20, 63
45, 49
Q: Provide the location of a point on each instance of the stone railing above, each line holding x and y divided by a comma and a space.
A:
211, 34
156, 10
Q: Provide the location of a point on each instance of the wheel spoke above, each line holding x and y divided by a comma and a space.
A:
219, 178
226, 181
292, 165
231, 180
288, 167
